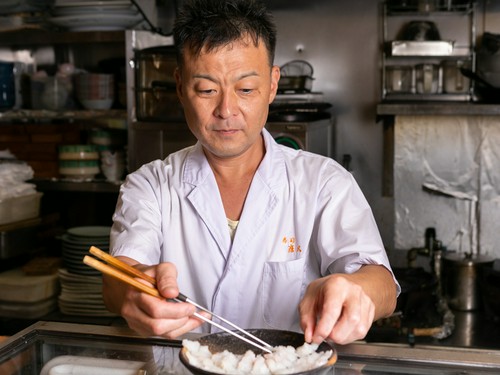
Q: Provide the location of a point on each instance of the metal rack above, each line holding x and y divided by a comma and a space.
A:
459, 21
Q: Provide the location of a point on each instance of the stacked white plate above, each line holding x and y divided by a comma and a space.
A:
76, 243
87, 15
81, 295
81, 285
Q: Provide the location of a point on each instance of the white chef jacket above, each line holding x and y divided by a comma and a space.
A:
304, 217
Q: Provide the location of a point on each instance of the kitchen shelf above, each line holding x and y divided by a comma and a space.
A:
438, 109
42, 115
417, 67
37, 36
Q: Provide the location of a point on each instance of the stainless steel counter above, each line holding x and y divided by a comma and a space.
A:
45, 344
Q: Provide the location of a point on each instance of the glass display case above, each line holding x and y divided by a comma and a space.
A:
48, 348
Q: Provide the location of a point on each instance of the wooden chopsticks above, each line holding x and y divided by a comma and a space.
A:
122, 271
128, 274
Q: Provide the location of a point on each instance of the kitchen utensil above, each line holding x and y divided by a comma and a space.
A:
484, 90
402, 5
427, 6
155, 64
296, 76
476, 77
420, 31
462, 274
95, 91
78, 152
7, 85
80, 170
427, 78
218, 342
298, 112
50, 92
158, 104
399, 79
126, 274
453, 79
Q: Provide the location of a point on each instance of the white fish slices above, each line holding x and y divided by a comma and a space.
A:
282, 360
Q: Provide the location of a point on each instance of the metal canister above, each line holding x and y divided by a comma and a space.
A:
462, 274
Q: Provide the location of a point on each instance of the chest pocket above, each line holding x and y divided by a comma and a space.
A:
281, 292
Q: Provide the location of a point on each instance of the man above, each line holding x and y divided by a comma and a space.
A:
263, 235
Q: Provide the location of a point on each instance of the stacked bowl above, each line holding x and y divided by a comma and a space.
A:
79, 162
95, 90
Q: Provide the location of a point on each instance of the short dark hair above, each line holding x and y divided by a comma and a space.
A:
214, 23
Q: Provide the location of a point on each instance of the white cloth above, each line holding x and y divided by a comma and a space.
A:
304, 217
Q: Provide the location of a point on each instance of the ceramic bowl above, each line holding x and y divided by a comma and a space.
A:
78, 152
221, 341
79, 169
95, 91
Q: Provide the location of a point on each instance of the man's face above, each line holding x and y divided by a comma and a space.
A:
226, 95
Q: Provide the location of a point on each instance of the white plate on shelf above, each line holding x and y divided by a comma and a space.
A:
65, 275
96, 21
89, 232
94, 300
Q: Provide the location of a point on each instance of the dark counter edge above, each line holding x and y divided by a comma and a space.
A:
438, 109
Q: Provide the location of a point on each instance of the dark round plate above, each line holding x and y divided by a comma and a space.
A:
221, 341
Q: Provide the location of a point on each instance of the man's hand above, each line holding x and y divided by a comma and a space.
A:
342, 307
148, 315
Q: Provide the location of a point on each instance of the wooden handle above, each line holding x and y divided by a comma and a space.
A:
104, 268
427, 331
121, 265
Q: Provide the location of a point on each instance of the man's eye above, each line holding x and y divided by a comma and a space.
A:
246, 91
206, 91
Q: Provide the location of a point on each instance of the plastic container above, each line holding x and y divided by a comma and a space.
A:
20, 208
19, 238
16, 286
28, 310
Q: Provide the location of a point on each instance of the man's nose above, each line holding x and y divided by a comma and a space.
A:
227, 105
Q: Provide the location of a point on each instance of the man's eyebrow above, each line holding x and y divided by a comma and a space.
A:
205, 76
242, 76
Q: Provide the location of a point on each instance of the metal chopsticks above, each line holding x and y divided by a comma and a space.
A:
126, 273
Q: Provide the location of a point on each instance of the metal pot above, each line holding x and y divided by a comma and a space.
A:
296, 76
462, 274
158, 104
156, 64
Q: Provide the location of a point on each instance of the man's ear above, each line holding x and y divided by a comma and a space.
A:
275, 77
178, 83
